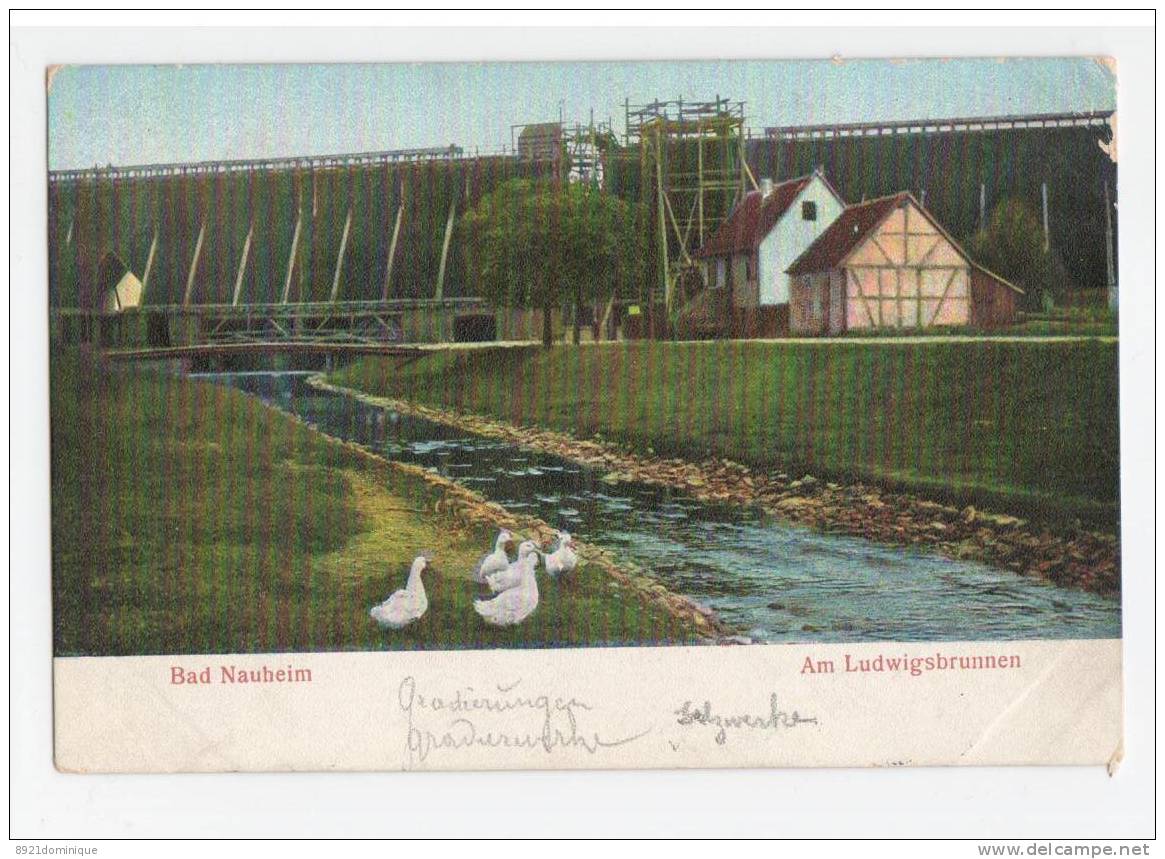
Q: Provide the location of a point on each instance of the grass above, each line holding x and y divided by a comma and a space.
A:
1029, 427
189, 518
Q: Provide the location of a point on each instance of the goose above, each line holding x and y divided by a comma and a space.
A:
511, 576
407, 604
563, 559
497, 560
512, 606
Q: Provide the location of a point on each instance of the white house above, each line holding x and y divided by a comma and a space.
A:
770, 228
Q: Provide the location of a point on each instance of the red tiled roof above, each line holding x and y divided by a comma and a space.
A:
751, 221
845, 234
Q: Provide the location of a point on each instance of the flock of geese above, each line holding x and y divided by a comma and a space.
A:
513, 583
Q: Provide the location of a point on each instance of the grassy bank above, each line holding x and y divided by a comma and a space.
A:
188, 517
1028, 427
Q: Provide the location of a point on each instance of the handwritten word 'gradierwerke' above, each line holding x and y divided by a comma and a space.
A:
501, 718
774, 720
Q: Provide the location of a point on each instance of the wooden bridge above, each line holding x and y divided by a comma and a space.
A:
274, 347
363, 327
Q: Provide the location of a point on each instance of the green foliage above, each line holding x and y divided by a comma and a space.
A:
1028, 427
189, 518
542, 244
1012, 244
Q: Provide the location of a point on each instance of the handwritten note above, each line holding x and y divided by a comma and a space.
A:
776, 719
507, 716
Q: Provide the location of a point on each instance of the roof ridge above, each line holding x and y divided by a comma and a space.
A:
882, 199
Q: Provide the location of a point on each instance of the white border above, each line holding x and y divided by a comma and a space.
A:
982, 803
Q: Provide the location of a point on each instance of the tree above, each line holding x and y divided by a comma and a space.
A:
544, 244
1012, 244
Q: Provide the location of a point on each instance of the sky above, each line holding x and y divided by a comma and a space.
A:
127, 114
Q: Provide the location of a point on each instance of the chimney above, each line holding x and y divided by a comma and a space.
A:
766, 188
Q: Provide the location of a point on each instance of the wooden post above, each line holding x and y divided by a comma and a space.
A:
149, 264
242, 265
194, 263
340, 257
1044, 196
662, 224
700, 181
445, 251
1110, 266
392, 250
291, 256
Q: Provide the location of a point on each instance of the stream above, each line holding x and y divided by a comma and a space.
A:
773, 580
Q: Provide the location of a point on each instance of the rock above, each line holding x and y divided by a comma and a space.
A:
794, 503
1001, 520
937, 526
777, 606
969, 513
735, 639
808, 480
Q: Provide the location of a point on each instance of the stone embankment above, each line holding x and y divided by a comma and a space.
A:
1085, 559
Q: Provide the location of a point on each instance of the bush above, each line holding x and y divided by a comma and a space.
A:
1012, 245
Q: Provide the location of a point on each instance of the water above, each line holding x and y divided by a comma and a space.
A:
773, 580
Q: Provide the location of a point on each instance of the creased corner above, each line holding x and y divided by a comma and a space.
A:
1117, 758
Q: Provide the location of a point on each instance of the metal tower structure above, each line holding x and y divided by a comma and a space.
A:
692, 173
585, 147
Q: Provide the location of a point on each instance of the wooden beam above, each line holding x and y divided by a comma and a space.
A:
676, 229
291, 256
392, 251
1110, 267
149, 264
340, 257
662, 224
1044, 197
700, 182
194, 263
445, 251
242, 265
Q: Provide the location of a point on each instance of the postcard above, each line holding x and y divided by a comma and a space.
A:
584, 415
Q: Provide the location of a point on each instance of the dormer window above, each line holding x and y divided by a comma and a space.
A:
808, 210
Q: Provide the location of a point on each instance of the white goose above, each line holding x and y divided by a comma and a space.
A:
513, 606
511, 576
563, 559
407, 604
497, 560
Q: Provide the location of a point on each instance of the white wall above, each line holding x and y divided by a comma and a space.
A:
790, 237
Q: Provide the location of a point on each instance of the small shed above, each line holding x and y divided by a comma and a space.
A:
994, 301
888, 263
118, 287
540, 141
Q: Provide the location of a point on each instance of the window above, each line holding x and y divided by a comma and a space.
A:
808, 210
719, 273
